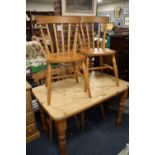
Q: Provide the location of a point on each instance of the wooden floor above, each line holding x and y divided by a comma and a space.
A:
69, 98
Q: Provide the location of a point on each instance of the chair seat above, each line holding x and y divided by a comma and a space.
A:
97, 51
65, 57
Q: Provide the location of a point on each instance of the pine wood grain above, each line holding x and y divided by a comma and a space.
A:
67, 102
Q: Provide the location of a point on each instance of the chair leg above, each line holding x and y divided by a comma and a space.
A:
82, 120
101, 62
115, 69
50, 130
43, 119
75, 71
90, 62
76, 121
86, 79
85, 83
49, 83
102, 110
87, 64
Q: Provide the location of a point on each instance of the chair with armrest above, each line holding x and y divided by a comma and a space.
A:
65, 38
40, 79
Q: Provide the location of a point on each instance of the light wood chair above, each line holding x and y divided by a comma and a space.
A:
91, 49
65, 38
92, 44
40, 79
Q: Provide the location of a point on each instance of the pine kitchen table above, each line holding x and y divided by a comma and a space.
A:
69, 98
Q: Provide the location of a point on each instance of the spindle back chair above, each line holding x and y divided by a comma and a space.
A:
40, 79
93, 44
65, 38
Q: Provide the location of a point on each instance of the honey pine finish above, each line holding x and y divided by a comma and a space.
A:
66, 102
91, 49
32, 132
66, 48
40, 79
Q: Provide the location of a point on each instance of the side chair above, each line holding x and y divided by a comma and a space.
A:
93, 44
91, 49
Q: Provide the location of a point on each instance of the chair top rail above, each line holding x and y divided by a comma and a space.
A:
95, 19
57, 19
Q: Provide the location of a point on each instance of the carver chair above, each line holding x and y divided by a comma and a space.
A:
92, 44
65, 38
40, 79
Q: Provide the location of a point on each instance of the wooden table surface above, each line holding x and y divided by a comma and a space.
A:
69, 98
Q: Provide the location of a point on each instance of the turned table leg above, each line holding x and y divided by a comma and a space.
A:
121, 107
61, 127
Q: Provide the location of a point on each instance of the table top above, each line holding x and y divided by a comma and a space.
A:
69, 98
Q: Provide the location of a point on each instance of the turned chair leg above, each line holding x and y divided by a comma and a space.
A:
49, 83
102, 110
77, 121
50, 130
115, 69
82, 120
86, 79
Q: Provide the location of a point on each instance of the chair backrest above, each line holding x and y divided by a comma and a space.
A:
40, 77
90, 31
64, 33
